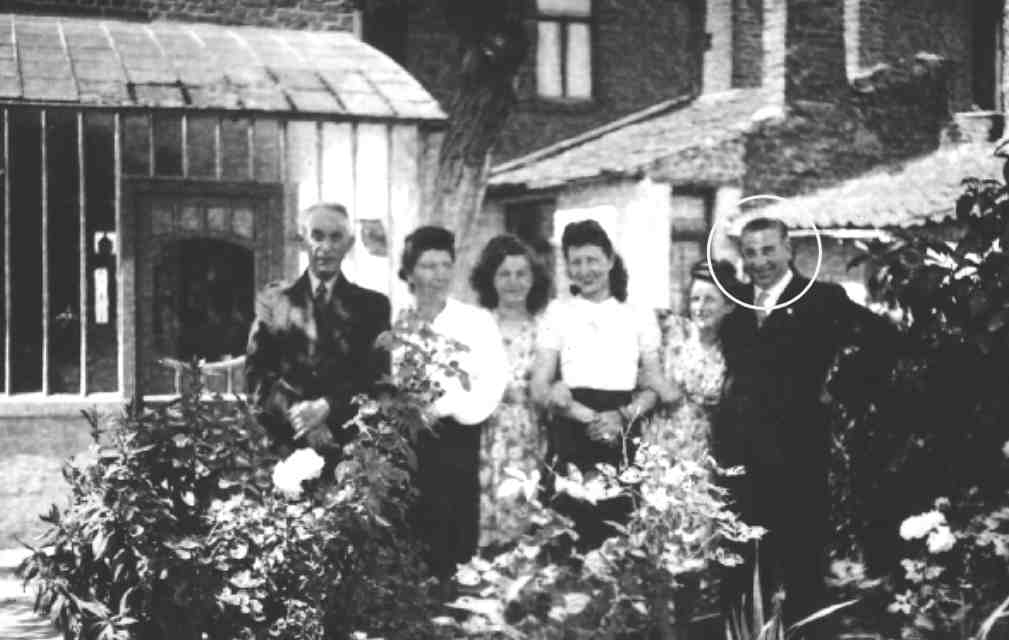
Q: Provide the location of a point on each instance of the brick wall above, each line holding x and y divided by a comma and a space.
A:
645, 51
292, 14
747, 49
814, 58
821, 144
891, 32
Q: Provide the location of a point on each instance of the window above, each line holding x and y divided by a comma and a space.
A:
690, 221
564, 49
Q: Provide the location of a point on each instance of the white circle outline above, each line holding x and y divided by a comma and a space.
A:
780, 305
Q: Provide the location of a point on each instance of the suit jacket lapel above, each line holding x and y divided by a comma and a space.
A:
300, 294
793, 289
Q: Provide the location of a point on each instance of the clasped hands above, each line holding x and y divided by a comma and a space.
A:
308, 418
602, 426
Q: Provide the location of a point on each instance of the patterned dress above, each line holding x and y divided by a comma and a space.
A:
699, 369
512, 439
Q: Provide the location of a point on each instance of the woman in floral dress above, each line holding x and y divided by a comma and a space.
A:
692, 356
511, 282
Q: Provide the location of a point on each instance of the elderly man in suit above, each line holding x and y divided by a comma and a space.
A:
774, 417
311, 347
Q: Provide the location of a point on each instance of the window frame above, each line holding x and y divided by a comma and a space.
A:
691, 235
564, 21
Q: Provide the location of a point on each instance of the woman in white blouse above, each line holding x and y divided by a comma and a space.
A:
597, 345
448, 512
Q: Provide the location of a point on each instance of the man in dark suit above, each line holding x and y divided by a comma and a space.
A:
311, 347
774, 417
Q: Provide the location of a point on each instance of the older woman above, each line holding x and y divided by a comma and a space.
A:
597, 343
448, 513
513, 284
692, 359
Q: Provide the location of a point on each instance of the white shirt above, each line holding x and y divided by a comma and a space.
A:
599, 344
485, 363
314, 280
775, 290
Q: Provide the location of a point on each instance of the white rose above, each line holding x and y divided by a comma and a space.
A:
1005, 449
303, 464
919, 526
941, 540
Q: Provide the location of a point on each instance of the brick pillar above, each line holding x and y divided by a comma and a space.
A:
852, 37
814, 50
1004, 71
718, 57
773, 41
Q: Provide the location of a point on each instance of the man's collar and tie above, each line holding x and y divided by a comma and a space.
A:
767, 298
322, 290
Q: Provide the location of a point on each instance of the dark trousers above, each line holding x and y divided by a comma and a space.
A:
569, 443
447, 514
792, 502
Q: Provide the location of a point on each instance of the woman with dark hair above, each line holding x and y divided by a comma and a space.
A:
597, 344
448, 458
513, 284
692, 356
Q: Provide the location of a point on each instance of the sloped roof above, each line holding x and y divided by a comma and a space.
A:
908, 194
97, 62
630, 145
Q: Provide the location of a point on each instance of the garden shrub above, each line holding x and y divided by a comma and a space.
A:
175, 531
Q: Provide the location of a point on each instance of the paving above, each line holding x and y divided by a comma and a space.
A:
17, 620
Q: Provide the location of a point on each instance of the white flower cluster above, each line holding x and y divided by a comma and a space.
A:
303, 464
931, 525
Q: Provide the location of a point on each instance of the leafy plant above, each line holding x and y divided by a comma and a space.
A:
645, 579
175, 531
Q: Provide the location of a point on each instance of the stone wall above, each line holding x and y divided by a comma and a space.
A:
32, 452
291, 14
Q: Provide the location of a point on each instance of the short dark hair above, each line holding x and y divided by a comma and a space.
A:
493, 254
426, 238
764, 224
590, 232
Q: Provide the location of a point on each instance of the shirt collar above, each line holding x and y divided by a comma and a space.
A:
775, 290
330, 284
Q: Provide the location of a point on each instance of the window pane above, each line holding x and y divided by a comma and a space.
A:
548, 60
103, 248
200, 134
579, 56
64, 253
235, 148
566, 7
167, 145
136, 145
26, 251
267, 155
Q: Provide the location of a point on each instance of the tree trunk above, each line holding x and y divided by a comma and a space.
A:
493, 44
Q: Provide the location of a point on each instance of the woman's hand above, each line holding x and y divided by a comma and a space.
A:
581, 413
607, 428
560, 396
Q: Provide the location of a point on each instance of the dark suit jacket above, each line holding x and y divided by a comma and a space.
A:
772, 415
290, 358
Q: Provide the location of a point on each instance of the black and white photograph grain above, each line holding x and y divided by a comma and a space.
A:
504, 320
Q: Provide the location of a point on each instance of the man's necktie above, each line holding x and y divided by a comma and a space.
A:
762, 299
323, 324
